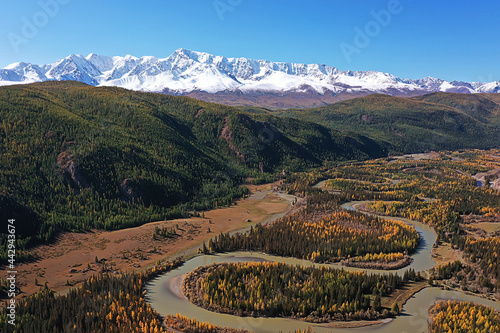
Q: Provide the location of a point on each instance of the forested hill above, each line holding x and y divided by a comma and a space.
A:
76, 157
438, 121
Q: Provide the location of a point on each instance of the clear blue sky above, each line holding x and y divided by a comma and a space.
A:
453, 40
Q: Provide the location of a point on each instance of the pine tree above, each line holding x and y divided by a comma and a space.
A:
204, 249
395, 308
377, 303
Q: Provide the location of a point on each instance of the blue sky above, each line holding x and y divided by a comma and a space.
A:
453, 40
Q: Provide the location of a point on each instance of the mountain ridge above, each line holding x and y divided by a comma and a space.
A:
233, 81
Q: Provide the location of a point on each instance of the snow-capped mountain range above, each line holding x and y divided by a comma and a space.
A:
185, 72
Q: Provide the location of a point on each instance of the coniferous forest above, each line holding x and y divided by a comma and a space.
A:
76, 157
463, 317
279, 290
323, 233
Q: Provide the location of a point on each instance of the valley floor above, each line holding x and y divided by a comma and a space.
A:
75, 257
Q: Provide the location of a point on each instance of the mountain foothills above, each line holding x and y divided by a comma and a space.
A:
233, 81
76, 157
435, 121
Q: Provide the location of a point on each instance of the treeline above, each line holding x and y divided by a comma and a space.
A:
463, 317
383, 257
279, 290
104, 303
322, 233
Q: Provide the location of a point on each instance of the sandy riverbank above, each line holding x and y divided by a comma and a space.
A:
175, 286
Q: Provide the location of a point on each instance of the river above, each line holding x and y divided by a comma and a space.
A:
166, 298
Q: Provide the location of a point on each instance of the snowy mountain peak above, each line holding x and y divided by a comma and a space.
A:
17, 65
102, 63
194, 55
186, 71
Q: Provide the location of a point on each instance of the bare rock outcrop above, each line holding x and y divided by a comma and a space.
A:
70, 170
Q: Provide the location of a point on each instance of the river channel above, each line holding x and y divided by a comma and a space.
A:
165, 296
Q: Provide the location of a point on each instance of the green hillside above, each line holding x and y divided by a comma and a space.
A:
76, 157
482, 107
431, 122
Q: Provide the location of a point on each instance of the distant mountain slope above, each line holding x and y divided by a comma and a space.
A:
233, 81
482, 107
431, 122
76, 157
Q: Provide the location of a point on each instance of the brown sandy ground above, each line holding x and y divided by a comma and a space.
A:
489, 227
354, 324
397, 264
445, 253
417, 157
363, 207
494, 178
400, 296
482, 226
72, 258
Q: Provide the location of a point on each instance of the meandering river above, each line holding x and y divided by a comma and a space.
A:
165, 295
